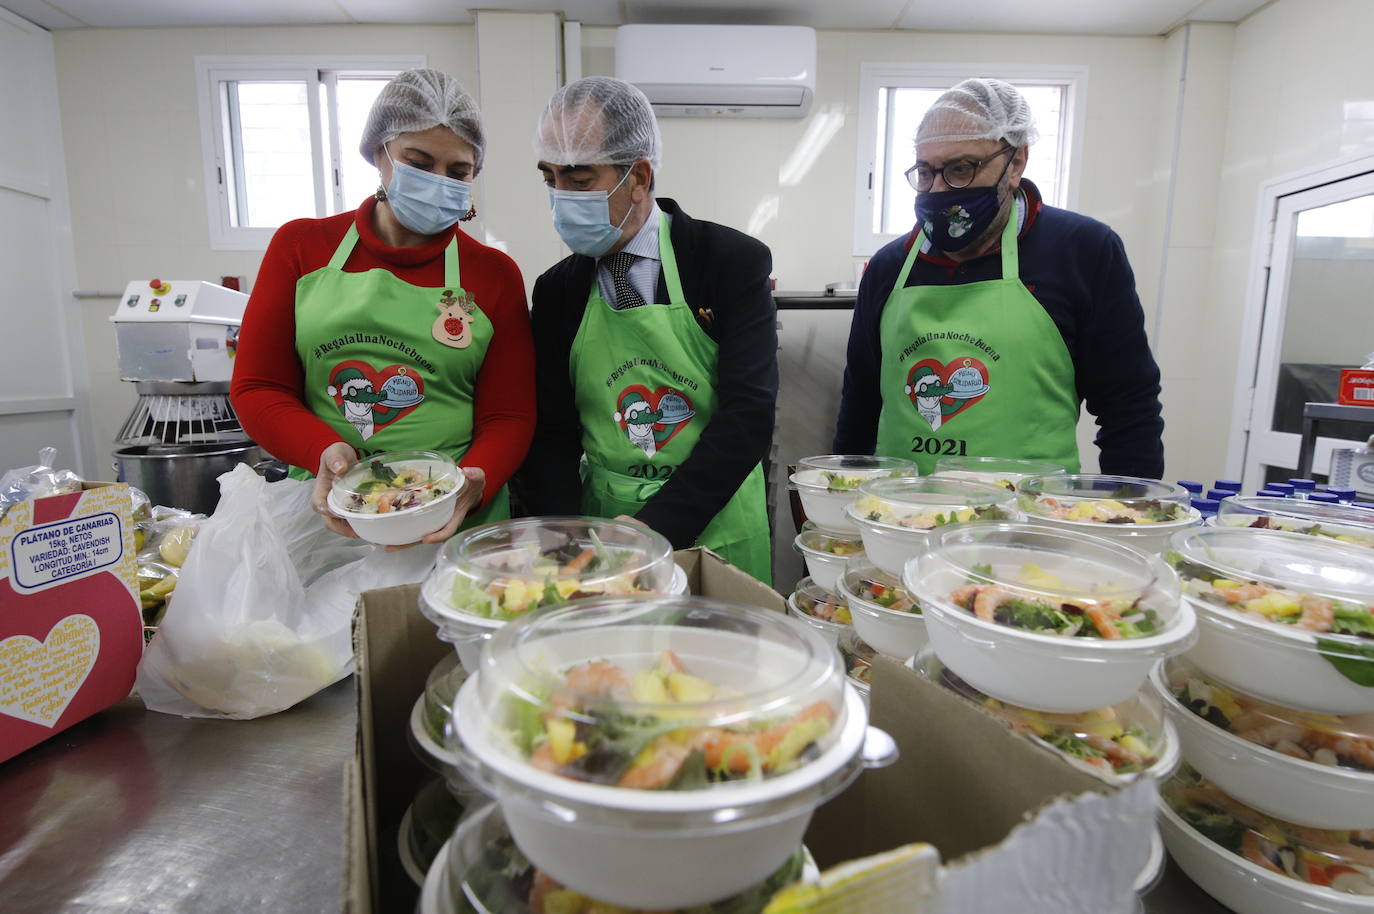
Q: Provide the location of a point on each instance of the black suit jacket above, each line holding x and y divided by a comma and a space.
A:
725, 273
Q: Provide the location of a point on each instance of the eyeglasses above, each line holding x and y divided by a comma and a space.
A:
957, 174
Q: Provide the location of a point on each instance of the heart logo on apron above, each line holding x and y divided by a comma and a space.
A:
651, 418
42, 677
371, 399
941, 391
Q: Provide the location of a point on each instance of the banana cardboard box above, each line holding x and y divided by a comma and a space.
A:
71, 632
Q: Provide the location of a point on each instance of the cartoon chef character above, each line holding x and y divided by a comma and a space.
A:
926, 389
639, 418
359, 398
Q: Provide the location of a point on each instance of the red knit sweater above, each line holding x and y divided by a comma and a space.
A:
268, 389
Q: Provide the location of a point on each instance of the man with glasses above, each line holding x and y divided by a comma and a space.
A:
982, 332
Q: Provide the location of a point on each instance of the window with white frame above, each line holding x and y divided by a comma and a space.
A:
280, 137
894, 97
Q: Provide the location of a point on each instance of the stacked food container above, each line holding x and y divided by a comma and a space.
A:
1343, 523
616, 743
1275, 714
650, 753
483, 579
830, 542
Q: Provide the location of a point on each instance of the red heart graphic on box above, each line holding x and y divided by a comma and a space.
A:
670, 405
958, 384
394, 391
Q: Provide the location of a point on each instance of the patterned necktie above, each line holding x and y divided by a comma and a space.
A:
626, 295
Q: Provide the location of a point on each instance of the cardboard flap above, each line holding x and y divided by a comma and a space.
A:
710, 575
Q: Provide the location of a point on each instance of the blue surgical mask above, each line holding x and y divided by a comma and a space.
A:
582, 219
424, 202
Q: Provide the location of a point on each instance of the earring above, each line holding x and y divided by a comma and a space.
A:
381, 193
470, 215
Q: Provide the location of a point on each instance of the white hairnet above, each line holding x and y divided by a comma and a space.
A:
418, 100
979, 109
570, 132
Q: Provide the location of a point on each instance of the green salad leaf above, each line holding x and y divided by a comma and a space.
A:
1034, 615
1353, 661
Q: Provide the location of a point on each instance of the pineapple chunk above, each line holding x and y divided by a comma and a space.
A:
648, 687
1137, 745
685, 687
1032, 575
562, 744
1275, 604
1224, 584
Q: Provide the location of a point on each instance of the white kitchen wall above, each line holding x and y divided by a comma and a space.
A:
1302, 90
131, 129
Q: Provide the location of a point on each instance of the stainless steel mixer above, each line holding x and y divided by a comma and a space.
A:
176, 342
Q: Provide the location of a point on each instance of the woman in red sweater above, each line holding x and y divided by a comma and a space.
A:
389, 328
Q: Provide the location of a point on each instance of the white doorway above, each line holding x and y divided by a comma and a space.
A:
1309, 312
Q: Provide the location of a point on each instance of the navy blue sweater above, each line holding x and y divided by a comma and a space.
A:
1077, 270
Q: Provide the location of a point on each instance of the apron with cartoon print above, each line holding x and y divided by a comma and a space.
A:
644, 381
976, 370
391, 366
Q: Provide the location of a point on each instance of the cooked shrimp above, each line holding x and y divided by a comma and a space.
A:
988, 599
384, 502
594, 679
1113, 750
719, 745
662, 760
1317, 614
579, 562
962, 596
1103, 620
1257, 850
1361, 751
542, 758
1244, 593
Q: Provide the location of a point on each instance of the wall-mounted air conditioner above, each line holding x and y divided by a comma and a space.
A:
720, 70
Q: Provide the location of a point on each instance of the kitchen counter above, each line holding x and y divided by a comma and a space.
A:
132, 811
142, 812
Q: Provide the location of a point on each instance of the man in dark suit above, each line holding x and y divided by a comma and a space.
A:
655, 342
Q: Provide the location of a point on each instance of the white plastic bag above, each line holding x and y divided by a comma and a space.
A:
262, 617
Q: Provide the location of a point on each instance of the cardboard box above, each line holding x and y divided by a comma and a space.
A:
71, 631
1357, 387
964, 782
394, 649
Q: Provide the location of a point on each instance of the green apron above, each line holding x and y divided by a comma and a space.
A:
391, 366
644, 380
975, 370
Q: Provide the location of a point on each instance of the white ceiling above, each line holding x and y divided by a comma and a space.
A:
1083, 17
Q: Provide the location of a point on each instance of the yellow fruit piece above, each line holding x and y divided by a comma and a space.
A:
1033, 575
791, 745
648, 687
177, 545
1224, 584
1036, 722
1107, 729
564, 901
566, 587
965, 514
685, 687
1136, 745
162, 587
562, 745
1275, 604
517, 596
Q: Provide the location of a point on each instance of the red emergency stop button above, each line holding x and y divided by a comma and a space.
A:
160, 287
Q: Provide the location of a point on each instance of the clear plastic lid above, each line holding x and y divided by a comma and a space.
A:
924, 503
501, 571
872, 588
1343, 741
1047, 582
837, 544
1283, 583
843, 472
1122, 739
1095, 499
819, 603
488, 873
395, 481
441, 688
858, 659
1342, 861
659, 693
999, 471
1346, 523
